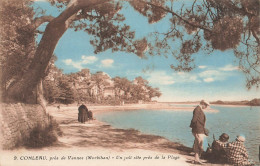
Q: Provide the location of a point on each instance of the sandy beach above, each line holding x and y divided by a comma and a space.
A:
150, 106
97, 143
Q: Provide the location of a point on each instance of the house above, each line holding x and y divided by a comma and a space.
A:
109, 92
93, 89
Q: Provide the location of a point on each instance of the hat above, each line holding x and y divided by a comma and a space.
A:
224, 137
241, 138
204, 102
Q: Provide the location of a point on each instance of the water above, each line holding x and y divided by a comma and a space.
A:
174, 125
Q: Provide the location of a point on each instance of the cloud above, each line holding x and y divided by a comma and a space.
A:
160, 78
202, 67
181, 73
88, 59
79, 64
212, 75
67, 61
208, 80
208, 76
186, 77
217, 74
107, 62
229, 68
209, 73
70, 62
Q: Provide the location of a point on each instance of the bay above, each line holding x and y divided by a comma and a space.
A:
174, 125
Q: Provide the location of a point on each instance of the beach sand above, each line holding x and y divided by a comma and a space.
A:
96, 143
149, 106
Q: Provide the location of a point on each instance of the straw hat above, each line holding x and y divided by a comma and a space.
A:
204, 102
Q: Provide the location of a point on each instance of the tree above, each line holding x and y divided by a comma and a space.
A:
17, 44
153, 92
81, 82
122, 85
110, 35
101, 80
137, 93
140, 81
66, 94
144, 91
254, 102
51, 87
51, 91
223, 24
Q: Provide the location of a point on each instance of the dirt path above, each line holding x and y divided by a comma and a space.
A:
98, 134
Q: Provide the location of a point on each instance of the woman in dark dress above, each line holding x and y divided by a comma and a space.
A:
83, 113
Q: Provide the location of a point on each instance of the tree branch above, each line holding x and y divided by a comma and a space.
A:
40, 20
180, 17
242, 10
53, 32
256, 37
193, 6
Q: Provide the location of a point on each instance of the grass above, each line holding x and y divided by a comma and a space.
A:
43, 135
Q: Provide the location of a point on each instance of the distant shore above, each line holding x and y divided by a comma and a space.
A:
146, 106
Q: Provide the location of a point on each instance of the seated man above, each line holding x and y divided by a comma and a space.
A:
236, 152
218, 153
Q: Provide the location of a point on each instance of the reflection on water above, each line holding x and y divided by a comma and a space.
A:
174, 125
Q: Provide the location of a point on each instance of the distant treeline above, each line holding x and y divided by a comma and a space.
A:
99, 87
254, 102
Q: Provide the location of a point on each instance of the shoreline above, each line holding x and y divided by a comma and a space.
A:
119, 141
98, 138
150, 106
160, 106
138, 141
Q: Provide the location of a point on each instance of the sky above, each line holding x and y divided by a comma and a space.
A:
216, 77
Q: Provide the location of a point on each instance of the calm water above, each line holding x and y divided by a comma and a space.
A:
174, 125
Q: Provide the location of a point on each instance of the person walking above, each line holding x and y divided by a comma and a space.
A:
198, 129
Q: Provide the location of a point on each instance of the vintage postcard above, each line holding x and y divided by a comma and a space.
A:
129, 82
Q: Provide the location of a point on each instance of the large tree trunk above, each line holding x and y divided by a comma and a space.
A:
44, 52
53, 32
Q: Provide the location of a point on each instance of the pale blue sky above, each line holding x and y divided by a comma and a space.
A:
215, 78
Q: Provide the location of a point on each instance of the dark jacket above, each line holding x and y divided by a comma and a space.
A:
198, 121
83, 114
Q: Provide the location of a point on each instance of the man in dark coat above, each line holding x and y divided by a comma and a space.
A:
83, 113
218, 154
198, 129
